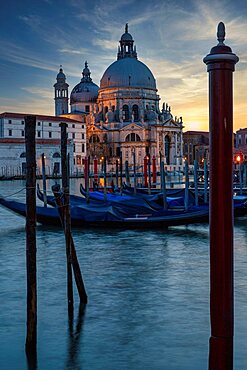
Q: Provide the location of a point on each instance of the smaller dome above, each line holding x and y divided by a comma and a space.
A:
126, 37
84, 92
61, 76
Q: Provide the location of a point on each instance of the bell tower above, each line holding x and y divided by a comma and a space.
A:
61, 94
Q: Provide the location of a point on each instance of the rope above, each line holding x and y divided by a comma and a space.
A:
15, 193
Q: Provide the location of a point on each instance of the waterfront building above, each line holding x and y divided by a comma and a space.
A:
196, 146
122, 115
48, 137
240, 150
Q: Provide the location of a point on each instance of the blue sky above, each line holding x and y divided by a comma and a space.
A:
172, 37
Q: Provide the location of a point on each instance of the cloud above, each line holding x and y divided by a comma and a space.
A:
41, 92
80, 51
21, 55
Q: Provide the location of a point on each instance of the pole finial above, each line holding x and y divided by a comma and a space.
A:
126, 28
221, 33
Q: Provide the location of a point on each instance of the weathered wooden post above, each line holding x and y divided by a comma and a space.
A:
67, 219
86, 177
221, 65
31, 337
121, 173
154, 170
149, 175
44, 180
240, 179
127, 176
196, 183
134, 164
145, 172
186, 191
95, 169
75, 264
244, 176
163, 183
205, 171
105, 190
117, 175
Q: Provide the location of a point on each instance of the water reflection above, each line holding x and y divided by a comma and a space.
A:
74, 334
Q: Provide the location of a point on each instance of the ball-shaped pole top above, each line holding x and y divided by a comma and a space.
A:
221, 33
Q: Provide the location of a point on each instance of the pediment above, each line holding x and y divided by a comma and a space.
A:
171, 123
131, 126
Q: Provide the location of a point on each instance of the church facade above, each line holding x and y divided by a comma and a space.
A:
122, 115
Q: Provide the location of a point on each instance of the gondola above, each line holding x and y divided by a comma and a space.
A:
110, 216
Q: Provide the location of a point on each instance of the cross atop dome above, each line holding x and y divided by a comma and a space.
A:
126, 48
86, 73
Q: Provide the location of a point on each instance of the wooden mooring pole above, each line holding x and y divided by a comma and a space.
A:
154, 171
196, 183
44, 180
220, 65
145, 171
186, 190
75, 264
67, 219
31, 337
121, 172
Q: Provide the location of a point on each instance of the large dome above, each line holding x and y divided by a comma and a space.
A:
128, 72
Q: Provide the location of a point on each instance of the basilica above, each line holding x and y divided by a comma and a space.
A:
122, 116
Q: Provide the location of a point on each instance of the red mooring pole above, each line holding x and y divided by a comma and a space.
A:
145, 172
220, 65
86, 173
154, 171
95, 169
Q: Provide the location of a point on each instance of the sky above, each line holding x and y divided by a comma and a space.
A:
171, 37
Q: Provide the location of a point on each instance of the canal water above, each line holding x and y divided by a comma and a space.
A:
148, 297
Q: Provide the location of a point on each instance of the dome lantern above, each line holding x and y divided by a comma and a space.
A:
126, 49
86, 74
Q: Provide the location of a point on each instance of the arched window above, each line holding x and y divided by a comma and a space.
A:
133, 137
56, 155
126, 114
94, 139
135, 111
23, 155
